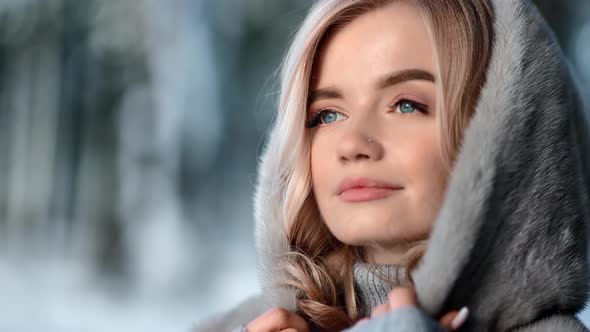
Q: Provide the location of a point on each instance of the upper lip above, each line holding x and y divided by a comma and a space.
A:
363, 182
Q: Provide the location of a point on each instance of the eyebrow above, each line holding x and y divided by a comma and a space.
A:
382, 83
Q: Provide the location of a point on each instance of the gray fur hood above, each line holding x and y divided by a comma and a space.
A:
510, 239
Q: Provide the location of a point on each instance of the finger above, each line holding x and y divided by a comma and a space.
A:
402, 297
380, 310
447, 319
268, 321
297, 322
278, 319
460, 318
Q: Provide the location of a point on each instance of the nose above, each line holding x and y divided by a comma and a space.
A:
358, 146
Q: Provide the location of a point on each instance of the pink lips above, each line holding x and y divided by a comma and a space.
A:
365, 189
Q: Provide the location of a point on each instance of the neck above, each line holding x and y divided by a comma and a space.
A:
386, 254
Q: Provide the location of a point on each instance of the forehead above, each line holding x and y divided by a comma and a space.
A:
390, 38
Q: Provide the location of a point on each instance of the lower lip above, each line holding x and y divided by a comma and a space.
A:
365, 194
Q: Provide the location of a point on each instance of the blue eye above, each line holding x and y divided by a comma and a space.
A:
407, 106
324, 117
328, 116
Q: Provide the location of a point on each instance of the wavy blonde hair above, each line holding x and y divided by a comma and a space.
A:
319, 266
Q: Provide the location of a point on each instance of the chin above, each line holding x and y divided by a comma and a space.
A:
370, 228
362, 230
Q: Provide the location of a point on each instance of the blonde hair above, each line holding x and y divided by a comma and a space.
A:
318, 265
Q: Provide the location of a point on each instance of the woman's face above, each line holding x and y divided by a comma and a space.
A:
375, 86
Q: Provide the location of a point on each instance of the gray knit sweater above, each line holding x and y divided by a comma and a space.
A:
373, 283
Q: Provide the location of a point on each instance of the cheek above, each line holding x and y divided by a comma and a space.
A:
425, 167
318, 163
323, 168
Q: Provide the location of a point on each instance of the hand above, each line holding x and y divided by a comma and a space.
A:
278, 319
404, 296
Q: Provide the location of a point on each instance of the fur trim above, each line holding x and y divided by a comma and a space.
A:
513, 222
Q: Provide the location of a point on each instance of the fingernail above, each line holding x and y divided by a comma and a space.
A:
460, 318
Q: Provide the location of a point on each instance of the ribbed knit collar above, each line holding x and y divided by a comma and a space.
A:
374, 281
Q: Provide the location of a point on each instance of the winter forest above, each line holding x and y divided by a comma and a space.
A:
129, 138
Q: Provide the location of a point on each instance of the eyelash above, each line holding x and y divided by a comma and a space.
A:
315, 118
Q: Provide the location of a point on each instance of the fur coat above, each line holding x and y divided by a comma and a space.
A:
510, 239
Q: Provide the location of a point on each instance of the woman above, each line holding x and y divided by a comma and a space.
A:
428, 146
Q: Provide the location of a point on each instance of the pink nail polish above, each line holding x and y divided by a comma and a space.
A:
460, 318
